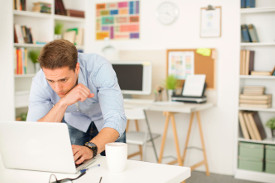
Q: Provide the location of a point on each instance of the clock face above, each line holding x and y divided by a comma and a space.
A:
167, 13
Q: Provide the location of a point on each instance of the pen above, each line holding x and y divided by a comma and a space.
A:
100, 180
84, 170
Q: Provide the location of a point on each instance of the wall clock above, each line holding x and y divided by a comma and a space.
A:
167, 12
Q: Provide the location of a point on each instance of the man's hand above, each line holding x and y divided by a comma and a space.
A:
79, 93
81, 153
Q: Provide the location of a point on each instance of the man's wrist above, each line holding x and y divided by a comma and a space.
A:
92, 147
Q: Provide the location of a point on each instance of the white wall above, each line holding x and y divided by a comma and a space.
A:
6, 58
220, 123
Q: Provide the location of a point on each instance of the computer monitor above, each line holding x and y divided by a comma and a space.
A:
134, 77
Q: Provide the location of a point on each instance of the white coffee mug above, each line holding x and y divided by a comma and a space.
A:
116, 156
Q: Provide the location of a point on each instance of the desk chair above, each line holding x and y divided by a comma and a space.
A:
137, 137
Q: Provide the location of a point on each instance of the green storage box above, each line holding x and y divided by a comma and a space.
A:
270, 166
270, 153
251, 150
250, 164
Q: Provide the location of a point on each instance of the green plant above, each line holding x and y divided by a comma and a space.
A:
33, 55
58, 28
271, 123
171, 82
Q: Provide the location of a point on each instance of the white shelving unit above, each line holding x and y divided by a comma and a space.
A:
263, 19
42, 26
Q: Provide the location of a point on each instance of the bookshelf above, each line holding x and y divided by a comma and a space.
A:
42, 28
261, 17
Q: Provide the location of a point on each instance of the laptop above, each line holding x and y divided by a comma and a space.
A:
193, 90
40, 146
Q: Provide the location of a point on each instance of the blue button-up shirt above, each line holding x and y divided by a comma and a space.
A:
105, 108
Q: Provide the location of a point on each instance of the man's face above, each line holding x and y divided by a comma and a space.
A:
62, 80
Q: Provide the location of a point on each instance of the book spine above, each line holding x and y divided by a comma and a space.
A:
243, 3
245, 33
253, 33
250, 4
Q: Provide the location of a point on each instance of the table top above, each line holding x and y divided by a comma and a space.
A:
135, 172
162, 106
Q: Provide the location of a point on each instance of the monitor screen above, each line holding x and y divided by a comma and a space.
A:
134, 77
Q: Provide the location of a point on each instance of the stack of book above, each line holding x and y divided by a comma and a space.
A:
253, 96
251, 126
249, 33
42, 7
22, 34
21, 61
247, 61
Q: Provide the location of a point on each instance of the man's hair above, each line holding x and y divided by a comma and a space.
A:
58, 53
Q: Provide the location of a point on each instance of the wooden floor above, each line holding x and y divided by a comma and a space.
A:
200, 177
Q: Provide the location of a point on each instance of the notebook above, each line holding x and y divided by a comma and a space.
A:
40, 146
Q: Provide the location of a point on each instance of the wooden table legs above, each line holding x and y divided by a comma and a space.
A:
180, 161
170, 115
204, 162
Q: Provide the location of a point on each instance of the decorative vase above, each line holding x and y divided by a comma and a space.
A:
57, 36
169, 95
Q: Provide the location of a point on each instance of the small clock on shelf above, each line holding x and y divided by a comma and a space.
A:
167, 12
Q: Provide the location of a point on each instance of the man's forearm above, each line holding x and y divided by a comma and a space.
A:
56, 113
106, 135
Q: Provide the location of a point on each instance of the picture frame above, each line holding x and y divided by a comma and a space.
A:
210, 22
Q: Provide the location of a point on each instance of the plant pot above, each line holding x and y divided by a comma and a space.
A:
169, 95
57, 36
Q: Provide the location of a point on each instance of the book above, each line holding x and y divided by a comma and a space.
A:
254, 127
255, 101
250, 4
259, 125
263, 106
253, 33
243, 3
249, 61
261, 73
245, 33
255, 97
75, 13
19, 33
249, 126
243, 126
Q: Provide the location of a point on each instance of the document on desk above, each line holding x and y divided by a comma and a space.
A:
194, 85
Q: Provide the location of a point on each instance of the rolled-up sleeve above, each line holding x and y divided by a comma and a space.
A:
110, 98
39, 101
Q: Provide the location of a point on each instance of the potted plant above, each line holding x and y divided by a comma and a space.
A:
271, 124
58, 30
33, 55
170, 85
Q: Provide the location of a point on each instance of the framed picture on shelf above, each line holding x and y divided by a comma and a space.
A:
210, 24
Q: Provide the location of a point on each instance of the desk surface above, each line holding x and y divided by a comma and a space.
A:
180, 107
136, 172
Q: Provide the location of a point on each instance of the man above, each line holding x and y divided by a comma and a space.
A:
82, 91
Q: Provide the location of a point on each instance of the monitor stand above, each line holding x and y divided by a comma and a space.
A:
127, 96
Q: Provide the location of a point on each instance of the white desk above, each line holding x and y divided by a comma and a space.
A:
170, 109
136, 172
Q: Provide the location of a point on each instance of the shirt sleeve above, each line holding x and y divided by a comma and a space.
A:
110, 98
39, 102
